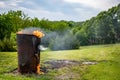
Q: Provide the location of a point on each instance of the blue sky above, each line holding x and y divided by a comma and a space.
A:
75, 10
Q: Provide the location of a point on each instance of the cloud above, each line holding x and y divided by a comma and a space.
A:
2, 4
13, 4
33, 9
9, 3
63, 11
77, 10
85, 13
97, 4
41, 13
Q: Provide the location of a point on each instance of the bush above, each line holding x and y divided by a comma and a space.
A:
7, 45
67, 42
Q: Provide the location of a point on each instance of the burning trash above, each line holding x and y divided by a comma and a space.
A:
38, 34
28, 42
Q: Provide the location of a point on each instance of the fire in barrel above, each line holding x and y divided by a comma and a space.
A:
28, 51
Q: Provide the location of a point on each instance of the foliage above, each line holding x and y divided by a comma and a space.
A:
102, 29
9, 23
7, 45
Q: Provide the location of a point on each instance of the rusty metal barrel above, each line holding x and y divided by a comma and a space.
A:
27, 51
28, 42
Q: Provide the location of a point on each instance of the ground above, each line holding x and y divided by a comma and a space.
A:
100, 62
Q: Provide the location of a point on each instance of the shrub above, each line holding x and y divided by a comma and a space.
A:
7, 45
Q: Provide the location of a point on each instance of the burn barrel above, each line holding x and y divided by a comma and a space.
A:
28, 53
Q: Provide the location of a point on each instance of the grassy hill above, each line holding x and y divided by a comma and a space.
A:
80, 67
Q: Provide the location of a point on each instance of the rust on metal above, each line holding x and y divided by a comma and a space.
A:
28, 53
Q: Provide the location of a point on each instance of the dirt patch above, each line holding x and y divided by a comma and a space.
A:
15, 71
56, 64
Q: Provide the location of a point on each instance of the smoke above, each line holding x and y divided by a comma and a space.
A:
55, 40
65, 42
60, 40
41, 47
49, 36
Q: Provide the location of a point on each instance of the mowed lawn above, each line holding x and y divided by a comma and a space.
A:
106, 56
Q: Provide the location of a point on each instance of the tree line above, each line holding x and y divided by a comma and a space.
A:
102, 29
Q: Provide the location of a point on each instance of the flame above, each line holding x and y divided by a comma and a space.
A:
20, 32
38, 34
38, 70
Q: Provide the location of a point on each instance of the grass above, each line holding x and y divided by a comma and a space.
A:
107, 68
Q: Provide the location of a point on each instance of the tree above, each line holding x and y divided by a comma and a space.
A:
9, 23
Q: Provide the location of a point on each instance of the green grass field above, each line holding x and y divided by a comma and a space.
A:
106, 56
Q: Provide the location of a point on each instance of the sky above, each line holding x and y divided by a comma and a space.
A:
75, 10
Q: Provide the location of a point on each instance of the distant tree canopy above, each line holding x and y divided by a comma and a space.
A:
102, 29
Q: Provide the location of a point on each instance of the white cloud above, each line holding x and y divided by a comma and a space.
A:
85, 14
79, 13
13, 4
2, 4
45, 14
9, 3
97, 4
38, 11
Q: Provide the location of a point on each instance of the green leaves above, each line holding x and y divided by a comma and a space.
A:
102, 29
